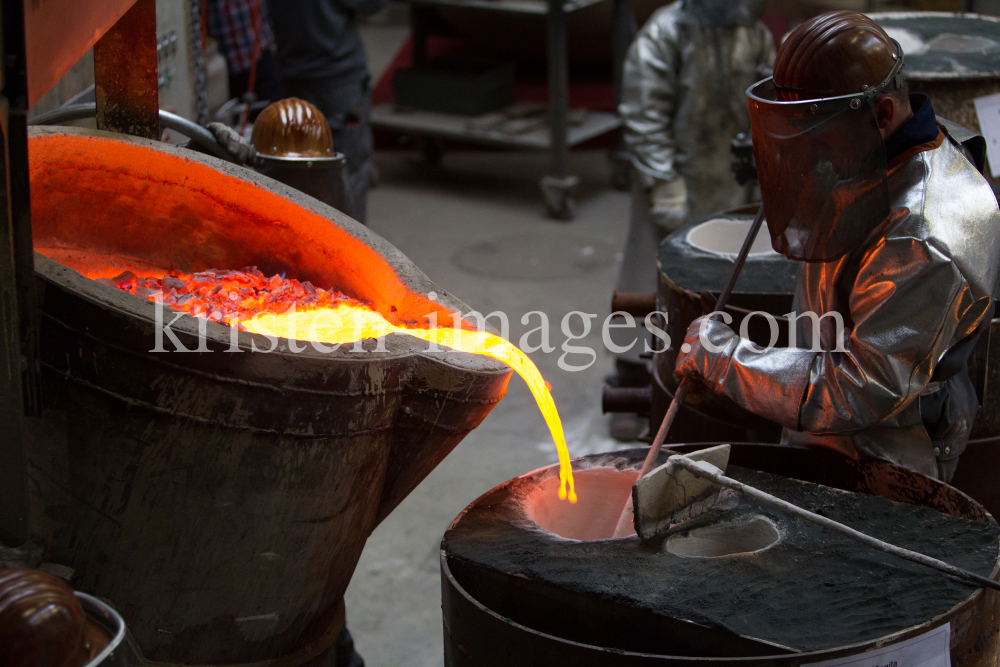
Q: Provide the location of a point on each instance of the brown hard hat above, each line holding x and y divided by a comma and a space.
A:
292, 128
837, 53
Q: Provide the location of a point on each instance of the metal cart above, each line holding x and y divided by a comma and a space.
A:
557, 187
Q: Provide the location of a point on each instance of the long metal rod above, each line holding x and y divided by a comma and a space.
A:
625, 521
711, 472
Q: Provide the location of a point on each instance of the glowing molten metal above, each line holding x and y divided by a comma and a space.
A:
287, 308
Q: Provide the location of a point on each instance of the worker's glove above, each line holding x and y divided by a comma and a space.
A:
231, 141
710, 346
668, 204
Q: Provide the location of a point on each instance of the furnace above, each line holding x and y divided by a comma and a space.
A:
221, 498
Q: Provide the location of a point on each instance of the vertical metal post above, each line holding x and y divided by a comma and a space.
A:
558, 186
418, 33
558, 76
18, 333
624, 33
125, 74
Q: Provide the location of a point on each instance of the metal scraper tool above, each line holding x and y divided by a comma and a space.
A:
687, 485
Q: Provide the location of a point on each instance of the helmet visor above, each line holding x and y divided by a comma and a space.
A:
822, 170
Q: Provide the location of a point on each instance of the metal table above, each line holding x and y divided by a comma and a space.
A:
558, 186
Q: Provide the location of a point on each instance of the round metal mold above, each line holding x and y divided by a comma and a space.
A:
538, 612
602, 493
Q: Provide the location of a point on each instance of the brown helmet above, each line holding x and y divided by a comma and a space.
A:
837, 53
292, 128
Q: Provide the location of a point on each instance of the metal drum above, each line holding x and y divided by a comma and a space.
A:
953, 58
699, 257
531, 580
324, 178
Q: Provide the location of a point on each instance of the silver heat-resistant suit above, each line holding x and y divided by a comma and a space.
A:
919, 284
683, 102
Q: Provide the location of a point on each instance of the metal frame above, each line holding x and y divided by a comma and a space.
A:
18, 330
558, 186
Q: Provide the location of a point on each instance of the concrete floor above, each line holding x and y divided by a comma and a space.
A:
476, 226
433, 215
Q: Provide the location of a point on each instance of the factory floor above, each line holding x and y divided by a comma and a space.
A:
476, 226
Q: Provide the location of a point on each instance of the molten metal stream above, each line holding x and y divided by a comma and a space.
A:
287, 308
348, 323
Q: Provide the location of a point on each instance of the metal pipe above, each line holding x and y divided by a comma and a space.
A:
168, 120
639, 304
627, 399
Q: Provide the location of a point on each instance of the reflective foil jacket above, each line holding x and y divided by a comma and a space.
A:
920, 283
683, 102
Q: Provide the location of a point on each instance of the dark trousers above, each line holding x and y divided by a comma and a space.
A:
347, 107
267, 81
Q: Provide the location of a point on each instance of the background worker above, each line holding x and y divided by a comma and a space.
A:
683, 102
323, 62
239, 25
899, 236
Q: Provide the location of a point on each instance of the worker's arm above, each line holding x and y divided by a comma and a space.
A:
909, 304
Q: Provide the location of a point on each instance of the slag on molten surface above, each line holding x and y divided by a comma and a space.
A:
285, 307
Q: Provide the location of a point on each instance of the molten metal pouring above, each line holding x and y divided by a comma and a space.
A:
289, 309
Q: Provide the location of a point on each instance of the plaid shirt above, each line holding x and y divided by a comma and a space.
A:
230, 22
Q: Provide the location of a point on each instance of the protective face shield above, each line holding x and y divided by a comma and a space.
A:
725, 13
822, 168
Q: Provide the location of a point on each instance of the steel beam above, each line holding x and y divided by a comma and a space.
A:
125, 74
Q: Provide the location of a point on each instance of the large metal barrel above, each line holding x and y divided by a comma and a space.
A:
953, 58
699, 258
516, 593
221, 498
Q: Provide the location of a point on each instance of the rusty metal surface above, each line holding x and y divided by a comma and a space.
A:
125, 74
59, 33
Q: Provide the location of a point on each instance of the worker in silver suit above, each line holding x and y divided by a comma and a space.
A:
899, 235
682, 105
